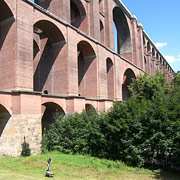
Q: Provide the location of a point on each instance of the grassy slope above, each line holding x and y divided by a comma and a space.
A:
68, 167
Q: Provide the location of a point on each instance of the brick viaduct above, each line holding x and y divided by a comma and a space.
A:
60, 55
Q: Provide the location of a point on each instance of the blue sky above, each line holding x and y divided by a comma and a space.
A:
160, 20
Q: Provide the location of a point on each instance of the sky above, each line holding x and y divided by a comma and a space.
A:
161, 21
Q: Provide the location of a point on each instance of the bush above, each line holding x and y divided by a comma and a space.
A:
26, 151
143, 130
77, 133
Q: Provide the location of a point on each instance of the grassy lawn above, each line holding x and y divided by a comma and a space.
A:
69, 167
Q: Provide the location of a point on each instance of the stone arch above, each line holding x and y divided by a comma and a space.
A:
78, 13
153, 52
89, 107
148, 47
144, 41
110, 78
4, 118
5, 11
160, 62
127, 80
43, 3
145, 64
48, 29
87, 70
157, 58
123, 41
48, 43
6, 21
49, 112
164, 62
102, 33
7, 46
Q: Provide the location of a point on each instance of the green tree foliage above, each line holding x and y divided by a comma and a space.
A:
174, 114
149, 87
77, 133
145, 129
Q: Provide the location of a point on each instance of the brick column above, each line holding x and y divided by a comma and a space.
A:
140, 60
72, 62
134, 40
109, 31
24, 64
94, 20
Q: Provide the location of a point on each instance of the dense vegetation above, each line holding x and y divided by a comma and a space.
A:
144, 130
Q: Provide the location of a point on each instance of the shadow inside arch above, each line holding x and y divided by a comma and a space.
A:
5, 27
50, 111
128, 76
6, 21
46, 62
4, 118
45, 4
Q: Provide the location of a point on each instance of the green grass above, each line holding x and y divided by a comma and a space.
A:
74, 167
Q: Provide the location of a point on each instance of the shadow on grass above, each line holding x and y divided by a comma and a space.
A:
166, 175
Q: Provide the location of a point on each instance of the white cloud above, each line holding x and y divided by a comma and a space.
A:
171, 59
159, 45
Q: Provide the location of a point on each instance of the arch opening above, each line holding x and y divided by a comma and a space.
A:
87, 70
148, 47
48, 43
89, 107
157, 58
43, 3
102, 31
78, 13
6, 21
5, 12
4, 118
110, 78
153, 52
145, 64
122, 32
50, 111
7, 46
127, 80
144, 41
160, 62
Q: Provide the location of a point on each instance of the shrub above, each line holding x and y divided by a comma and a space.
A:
77, 133
143, 130
26, 151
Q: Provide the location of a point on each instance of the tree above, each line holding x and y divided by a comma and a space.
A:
149, 86
145, 129
140, 129
77, 133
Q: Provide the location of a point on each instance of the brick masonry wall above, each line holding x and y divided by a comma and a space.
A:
22, 73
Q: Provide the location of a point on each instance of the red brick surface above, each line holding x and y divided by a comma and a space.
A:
45, 59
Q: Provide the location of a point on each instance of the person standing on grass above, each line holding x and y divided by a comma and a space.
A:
48, 163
